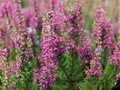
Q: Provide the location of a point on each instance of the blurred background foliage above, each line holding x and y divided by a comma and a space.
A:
112, 8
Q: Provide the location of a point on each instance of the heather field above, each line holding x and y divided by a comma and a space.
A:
59, 44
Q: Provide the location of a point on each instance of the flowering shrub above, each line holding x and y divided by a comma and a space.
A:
46, 46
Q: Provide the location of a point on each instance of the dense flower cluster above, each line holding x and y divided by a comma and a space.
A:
95, 68
45, 76
74, 22
15, 67
103, 31
115, 58
86, 55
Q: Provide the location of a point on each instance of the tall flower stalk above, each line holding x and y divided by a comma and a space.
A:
103, 31
23, 36
4, 61
45, 76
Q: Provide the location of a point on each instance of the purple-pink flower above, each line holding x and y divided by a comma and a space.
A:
103, 30
44, 77
118, 76
95, 68
48, 58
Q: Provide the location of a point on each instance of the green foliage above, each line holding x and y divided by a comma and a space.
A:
70, 73
24, 3
27, 74
107, 80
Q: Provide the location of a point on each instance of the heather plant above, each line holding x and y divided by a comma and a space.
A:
53, 45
